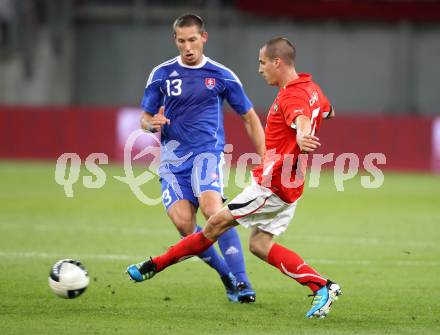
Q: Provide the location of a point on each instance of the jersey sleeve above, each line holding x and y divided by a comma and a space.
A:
292, 106
153, 96
326, 106
235, 94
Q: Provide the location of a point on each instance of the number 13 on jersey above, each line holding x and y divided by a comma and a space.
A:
174, 87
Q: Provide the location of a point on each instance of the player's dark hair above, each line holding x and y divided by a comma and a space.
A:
281, 47
189, 20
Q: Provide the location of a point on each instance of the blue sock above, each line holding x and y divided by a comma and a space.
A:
230, 245
213, 259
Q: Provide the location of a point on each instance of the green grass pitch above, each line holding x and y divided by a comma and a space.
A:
382, 245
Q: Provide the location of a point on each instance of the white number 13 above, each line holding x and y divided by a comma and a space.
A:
174, 87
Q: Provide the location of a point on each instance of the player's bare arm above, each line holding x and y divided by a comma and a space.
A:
255, 130
306, 141
154, 123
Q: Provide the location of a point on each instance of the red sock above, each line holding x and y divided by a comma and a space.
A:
293, 265
191, 245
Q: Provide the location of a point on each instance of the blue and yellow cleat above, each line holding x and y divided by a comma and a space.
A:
245, 293
322, 300
230, 283
142, 271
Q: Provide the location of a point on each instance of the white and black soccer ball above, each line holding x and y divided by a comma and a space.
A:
68, 278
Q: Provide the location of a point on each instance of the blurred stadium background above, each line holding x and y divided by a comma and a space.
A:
72, 73
75, 64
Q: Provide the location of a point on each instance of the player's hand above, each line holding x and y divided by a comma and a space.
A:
308, 143
159, 120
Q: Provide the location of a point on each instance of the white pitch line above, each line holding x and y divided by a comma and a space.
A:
32, 254
79, 228
112, 257
167, 230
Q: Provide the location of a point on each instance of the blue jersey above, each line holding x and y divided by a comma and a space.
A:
193, 98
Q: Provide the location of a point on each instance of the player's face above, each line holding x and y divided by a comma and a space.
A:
190, 42
267, 68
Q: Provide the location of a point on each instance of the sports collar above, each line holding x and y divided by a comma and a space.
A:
202, 63
303, 78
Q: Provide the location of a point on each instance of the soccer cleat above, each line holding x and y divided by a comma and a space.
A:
322, 300
230, 285
142, 271
245, 293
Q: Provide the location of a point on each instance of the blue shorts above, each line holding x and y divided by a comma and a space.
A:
202, 173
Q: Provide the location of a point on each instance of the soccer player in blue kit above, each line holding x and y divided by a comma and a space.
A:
183, 100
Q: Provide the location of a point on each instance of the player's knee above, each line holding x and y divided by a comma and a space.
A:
209, 211
184, 222
256, 247
210, 203
210, 207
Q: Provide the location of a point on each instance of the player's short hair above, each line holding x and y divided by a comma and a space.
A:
281, 47
189, 20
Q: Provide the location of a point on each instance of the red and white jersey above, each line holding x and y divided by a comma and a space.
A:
301, 96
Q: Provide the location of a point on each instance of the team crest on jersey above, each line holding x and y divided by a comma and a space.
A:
274, 109
210, 83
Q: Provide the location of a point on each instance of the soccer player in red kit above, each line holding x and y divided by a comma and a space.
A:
267, 205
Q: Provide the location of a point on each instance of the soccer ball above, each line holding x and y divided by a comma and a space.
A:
68, 278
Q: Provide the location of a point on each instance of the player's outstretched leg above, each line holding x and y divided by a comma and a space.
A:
230, 245
323, 298
191, 245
